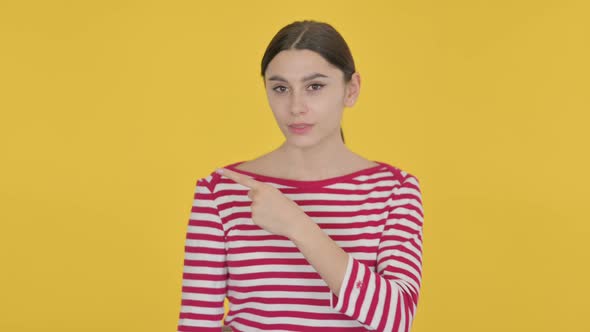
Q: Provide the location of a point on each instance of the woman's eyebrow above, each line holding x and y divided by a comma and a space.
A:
306, 78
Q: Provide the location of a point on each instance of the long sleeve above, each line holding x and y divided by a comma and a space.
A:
386, 299
204, 278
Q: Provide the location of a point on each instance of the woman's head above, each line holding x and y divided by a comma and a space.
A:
310, 76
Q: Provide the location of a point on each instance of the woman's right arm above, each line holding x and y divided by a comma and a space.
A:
204, 278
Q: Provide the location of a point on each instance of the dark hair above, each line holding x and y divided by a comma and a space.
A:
316, 36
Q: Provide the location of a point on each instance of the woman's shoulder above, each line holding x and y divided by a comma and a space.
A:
212, 179
398, 171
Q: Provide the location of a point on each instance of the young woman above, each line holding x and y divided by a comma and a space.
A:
310, 236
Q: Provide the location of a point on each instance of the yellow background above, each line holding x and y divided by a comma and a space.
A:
111, 110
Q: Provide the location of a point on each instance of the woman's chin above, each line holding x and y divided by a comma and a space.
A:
301, 141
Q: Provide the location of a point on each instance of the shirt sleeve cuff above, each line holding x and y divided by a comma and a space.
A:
337, 302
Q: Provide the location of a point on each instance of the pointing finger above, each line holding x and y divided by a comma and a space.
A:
239, 178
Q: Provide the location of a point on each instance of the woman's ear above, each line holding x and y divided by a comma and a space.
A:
353, 88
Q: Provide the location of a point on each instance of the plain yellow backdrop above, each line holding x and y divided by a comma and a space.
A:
111, 110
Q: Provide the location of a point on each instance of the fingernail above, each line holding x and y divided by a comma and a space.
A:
219, 171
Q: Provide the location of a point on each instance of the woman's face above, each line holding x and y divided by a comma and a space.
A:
302, 87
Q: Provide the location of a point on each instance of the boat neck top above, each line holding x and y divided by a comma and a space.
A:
310, 183
374, 215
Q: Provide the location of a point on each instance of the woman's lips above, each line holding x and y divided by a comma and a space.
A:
300, 129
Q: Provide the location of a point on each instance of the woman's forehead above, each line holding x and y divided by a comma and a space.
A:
299, 64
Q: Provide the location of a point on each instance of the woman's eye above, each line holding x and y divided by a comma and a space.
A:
316, 86
280, 89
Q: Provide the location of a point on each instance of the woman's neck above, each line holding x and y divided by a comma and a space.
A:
316, 162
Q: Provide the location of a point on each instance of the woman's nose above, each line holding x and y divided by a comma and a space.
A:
298, 104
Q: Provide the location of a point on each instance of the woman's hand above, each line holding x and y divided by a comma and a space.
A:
271, 210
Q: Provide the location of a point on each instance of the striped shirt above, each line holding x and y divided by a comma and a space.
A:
375, 215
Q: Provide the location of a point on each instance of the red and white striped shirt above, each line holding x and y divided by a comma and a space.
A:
374, 214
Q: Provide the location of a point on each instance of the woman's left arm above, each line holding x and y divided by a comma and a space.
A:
385, 299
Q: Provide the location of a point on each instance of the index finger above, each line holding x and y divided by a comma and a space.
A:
239, 178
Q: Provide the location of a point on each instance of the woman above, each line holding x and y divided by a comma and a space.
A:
310, 236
